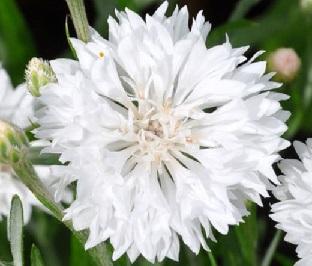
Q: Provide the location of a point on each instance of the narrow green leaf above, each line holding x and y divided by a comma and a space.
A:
16, 231
79, 16
35, 257
68, 38
242, 8
271, 249
212, 259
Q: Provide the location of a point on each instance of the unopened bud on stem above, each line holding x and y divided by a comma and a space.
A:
38, 74
285, 62
13, 142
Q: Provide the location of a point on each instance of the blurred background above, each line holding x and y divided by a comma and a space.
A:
37, 28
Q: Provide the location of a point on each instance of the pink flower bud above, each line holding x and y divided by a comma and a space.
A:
285, 62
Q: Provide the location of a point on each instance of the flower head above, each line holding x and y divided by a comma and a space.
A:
38, 74
12, 143
294, 211
165, 136
286, 63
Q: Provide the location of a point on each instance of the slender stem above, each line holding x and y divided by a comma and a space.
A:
79, 16
212, 260
25, 171
271, 249
242, 8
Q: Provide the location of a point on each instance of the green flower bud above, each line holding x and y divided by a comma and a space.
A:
13, 143
38, 74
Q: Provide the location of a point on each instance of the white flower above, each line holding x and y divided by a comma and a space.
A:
294, 211
15, 104
165, 137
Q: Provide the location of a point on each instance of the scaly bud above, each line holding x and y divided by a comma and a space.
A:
285, 62
38, 74
13, 142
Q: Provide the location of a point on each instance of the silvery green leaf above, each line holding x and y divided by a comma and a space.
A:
16, 231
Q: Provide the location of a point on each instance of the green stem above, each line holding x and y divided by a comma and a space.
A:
212, 260
271, 249
242, 8
79, 16
25, 171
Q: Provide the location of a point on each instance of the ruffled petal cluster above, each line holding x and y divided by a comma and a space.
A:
165, 137
294, 211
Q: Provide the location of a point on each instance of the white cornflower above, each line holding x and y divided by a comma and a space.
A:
294, 211
165, 137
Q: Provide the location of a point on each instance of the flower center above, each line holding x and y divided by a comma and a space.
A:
156, 128
157, 132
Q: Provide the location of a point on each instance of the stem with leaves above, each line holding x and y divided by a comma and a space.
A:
25, 171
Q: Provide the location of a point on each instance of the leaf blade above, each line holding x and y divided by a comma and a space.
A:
35, 257
16, 231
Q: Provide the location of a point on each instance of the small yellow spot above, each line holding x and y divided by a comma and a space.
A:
101, 55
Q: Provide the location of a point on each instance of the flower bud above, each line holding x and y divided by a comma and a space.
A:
13, 141
306, 6
285, 62
38, 74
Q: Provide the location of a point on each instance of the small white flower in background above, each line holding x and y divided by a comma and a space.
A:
294, 211
15, 104
285, 62
165, 137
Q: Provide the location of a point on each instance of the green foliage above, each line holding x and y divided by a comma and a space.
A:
16, 46
78, 256
36, 258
